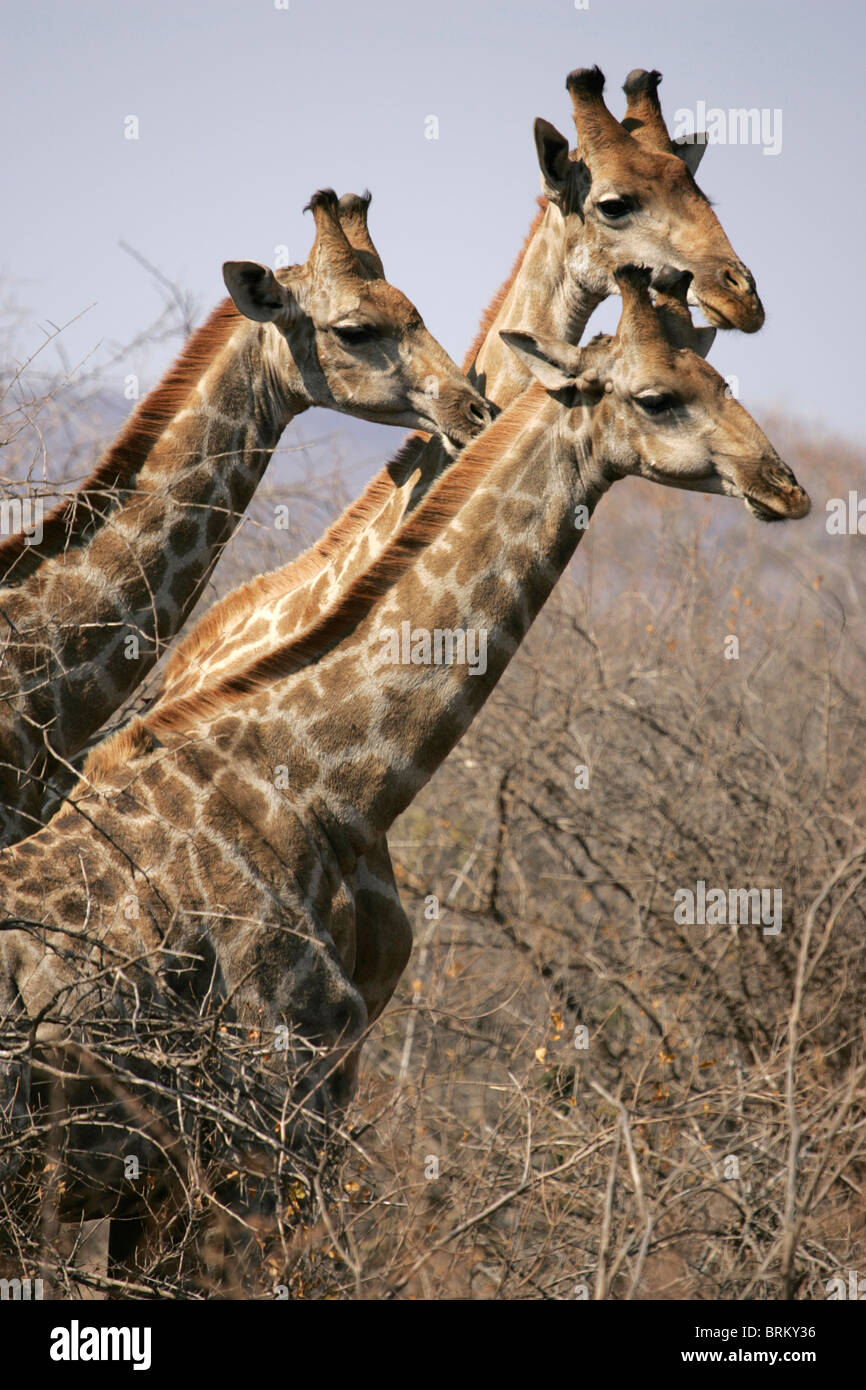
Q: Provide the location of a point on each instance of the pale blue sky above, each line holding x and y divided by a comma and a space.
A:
245, 109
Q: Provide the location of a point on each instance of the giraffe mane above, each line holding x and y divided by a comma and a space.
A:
488, 318
71, 519
438, 508
132, 741
247, 598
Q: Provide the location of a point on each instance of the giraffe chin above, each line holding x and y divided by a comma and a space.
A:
451, 446
747, 318
792, 509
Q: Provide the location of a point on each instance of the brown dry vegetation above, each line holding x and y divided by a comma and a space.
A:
709, 1140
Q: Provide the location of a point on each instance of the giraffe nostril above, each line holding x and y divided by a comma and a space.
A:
477, 413
739, 278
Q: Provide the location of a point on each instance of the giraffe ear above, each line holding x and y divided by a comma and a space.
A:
704, 339
552, 362
553, 161
255, 290
691, 149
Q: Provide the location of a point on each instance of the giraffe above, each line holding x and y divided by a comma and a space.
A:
236, 816
88, 611
627, 193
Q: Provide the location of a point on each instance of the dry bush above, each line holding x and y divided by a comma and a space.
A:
196, 1137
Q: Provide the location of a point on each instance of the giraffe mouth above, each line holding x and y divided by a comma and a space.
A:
451, 445
714, 315
766, 487
725, 307
761, 511
434, 428
746, 314
792, 506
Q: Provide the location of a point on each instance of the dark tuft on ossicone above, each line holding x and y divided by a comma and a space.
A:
638, 276
324, 198
355, 202
641, 83
585, 82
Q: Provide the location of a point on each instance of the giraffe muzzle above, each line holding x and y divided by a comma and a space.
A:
774, 494
729, 298
464, 417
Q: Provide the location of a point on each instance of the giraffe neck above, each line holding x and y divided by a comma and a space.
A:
364, 724
91, 622
550, 294
544, 295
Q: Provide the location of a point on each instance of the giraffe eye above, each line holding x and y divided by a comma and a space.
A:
657, 403
613, 208
352, 333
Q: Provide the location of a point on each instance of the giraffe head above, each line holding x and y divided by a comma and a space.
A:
355, 343
656, 409
629, 194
